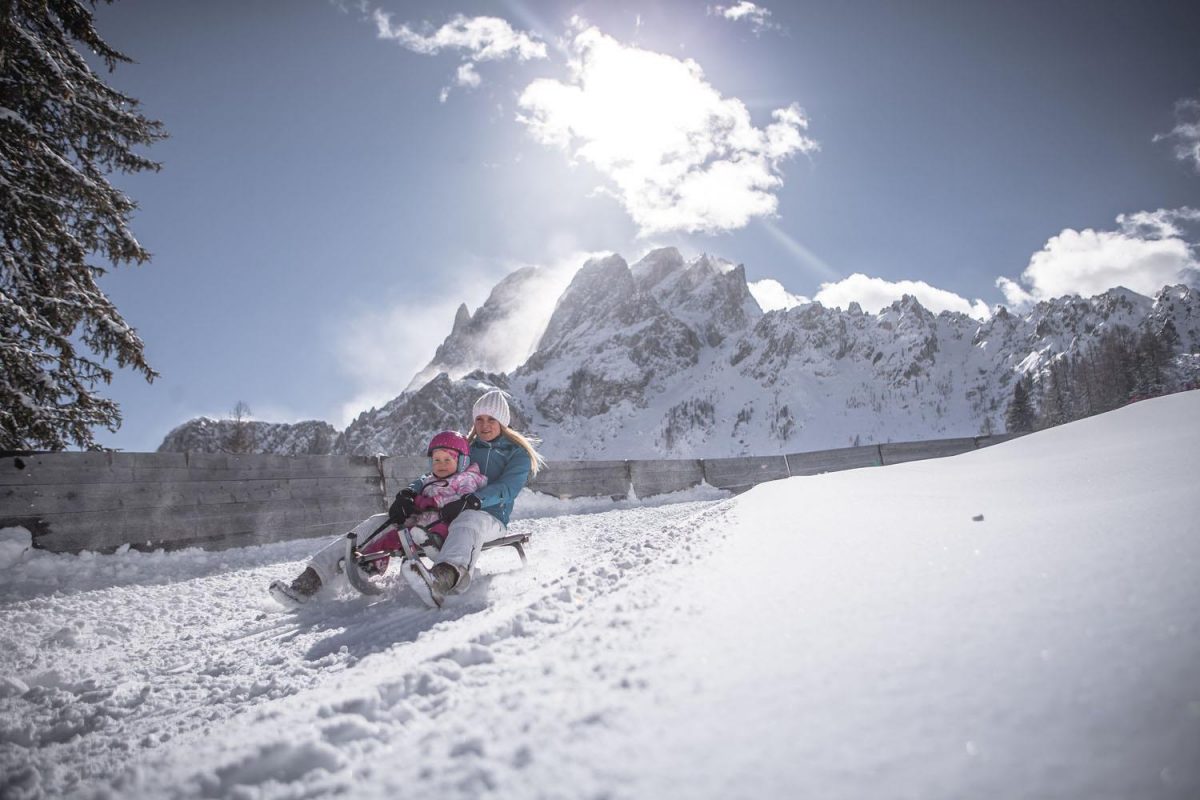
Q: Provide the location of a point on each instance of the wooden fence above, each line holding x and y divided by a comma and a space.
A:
100, 501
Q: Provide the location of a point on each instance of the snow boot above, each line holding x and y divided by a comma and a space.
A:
431, 585
298, 591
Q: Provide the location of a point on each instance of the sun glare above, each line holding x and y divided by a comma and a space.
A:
681, 156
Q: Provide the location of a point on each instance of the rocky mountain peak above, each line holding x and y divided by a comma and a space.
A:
462, 320
602, 291
657, 265
485, 340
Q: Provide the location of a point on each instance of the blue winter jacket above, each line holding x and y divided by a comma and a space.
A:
507, 466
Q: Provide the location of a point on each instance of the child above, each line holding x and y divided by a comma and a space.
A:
451, 476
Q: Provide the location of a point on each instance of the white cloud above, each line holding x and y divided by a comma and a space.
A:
679, 155
771, 296
874, 294
1186, 133
467, 76
1147, 251
757, 16
347, 6
479, 39
379, 349
483, 38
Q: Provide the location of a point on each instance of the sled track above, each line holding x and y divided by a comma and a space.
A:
140, 674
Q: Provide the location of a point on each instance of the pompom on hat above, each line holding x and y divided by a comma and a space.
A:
493, 404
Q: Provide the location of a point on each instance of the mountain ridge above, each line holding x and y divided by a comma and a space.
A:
671, 357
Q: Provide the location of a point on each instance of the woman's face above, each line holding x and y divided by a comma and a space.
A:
445, 463
487, 428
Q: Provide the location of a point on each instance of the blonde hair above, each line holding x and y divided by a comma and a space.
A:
536, 462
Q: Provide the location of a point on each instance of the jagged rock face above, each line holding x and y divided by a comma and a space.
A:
1179, 307
204, 435
500, 327
606, 342
710, 296
405, 425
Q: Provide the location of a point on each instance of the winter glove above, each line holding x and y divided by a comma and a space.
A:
424, 502
403, 507
451, 510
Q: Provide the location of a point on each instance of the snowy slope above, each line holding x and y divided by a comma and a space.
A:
852, 635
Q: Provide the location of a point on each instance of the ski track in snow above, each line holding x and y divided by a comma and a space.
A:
195, 654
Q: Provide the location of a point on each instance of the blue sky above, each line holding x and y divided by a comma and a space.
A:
341, 175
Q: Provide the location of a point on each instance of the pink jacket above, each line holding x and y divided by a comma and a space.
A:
444, 490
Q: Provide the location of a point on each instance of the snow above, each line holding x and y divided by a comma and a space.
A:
14, 544
1018, 621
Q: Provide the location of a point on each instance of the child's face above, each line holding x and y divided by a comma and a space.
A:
445, 463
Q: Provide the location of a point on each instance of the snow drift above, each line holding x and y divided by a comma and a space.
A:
1018, 621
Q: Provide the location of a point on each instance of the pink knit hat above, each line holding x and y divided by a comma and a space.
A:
493, 404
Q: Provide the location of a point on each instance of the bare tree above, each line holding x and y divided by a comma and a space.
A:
241, 435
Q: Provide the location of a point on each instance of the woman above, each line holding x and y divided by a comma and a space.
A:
505, 457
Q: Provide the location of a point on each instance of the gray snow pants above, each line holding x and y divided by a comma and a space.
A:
464, 542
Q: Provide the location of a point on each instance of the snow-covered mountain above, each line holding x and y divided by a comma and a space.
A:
502, 332
671, 357
205, 435
674, 358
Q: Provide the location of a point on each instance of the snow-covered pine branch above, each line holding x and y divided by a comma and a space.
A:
62, 131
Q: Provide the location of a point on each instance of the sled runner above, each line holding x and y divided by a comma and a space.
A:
363, 568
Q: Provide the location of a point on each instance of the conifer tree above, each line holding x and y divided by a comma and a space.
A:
1019, 417
62, 131
1056, 395
1150, 367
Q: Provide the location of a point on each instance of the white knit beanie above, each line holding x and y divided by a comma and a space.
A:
494, 405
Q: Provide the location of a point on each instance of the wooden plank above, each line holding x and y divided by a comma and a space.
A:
258, 462
72, 532
66, 498
818, 461
204, 464
179, 539
149, 460
901, 452
78, 474
566, 479
402, 470
320, 533
143, 520
997, 438
735, 473
61, 468
651, 477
